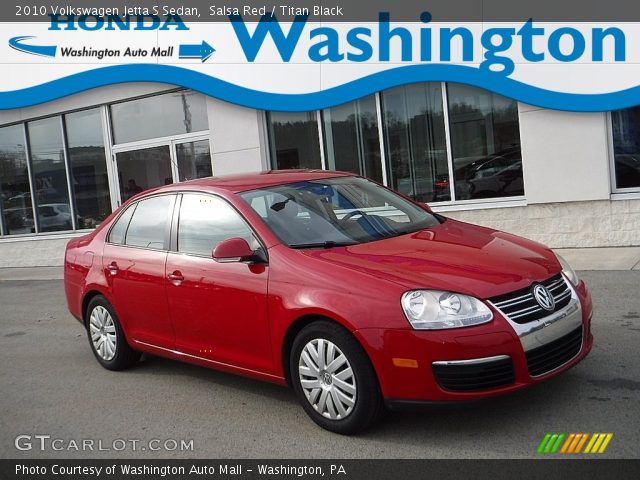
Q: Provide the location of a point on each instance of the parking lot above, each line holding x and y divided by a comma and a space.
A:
52, 385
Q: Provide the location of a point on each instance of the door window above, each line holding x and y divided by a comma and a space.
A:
194, 160
205, 221
139, 170
149, 223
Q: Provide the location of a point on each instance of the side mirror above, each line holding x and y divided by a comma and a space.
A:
232, 250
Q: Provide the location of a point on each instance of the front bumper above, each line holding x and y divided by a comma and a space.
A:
406, 360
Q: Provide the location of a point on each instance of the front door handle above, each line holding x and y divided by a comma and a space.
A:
176, 277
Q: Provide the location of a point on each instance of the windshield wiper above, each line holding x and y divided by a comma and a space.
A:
327, 244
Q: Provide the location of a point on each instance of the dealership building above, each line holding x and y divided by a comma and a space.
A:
566, 179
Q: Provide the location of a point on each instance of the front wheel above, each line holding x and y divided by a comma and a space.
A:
334, 379
106, 337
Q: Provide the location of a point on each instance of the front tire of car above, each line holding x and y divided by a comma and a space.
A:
106, 337
334, 379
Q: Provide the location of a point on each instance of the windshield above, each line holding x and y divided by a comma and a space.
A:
336, 211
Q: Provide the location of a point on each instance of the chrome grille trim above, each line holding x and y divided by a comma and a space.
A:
522, 307
556, 324
471, 361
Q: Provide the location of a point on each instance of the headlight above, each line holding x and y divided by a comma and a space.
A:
435, 309
568, 271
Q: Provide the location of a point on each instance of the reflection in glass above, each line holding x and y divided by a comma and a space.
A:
159, 116
139, 170
119, 229
49, 175
88, 167
416, 142
15, 198
294, 140
149, 222
205, 221
626, 147
485, 140
351, 138
194, 160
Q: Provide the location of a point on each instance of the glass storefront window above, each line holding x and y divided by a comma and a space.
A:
49, 175
15, 198
485, 143
139, 170
351, 138
416, 141
194, 160
626, 147
294, 140
88, 165
159, 116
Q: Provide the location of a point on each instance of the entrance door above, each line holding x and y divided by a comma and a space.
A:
140, 167
193, 159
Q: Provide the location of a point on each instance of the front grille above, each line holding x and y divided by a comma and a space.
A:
554, 354
474, 376
522, 307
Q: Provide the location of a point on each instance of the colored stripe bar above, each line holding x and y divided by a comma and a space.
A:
556, 446
607, 439
582, 442
543, 443
592, 441
572, 443
567, 442
599, 442
550, 443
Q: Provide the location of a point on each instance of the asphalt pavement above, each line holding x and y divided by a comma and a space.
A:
54, 393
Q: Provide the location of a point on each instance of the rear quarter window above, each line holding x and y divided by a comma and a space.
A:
119, 229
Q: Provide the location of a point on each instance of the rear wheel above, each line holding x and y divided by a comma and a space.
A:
334, 379
106, 337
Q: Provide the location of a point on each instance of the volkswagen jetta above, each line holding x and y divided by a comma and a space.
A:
357, 297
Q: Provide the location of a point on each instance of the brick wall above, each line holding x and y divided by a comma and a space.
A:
601, 223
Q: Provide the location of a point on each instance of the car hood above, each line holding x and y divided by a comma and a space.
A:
452, 256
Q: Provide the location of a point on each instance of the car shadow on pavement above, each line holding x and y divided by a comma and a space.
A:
158, 366
418, 425
484, 418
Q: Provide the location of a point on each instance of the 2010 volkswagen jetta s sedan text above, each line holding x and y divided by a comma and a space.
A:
354, 295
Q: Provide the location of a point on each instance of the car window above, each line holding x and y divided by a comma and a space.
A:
342, 210
205, 221
47, 212
149, 222
119, 229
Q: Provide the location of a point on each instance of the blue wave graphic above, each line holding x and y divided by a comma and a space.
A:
318, 100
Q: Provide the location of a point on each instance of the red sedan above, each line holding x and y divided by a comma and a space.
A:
354, 295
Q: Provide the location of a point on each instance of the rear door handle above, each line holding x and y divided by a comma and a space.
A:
113, 268
176, 277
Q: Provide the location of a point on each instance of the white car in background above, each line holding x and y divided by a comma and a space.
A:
54, 216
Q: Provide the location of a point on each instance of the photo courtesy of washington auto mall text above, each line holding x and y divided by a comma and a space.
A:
345, 239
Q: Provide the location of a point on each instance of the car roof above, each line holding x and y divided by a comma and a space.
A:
256, 180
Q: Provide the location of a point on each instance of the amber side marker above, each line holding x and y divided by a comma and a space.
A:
405, 362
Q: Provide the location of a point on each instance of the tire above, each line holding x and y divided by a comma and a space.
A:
352, 399
106, 337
